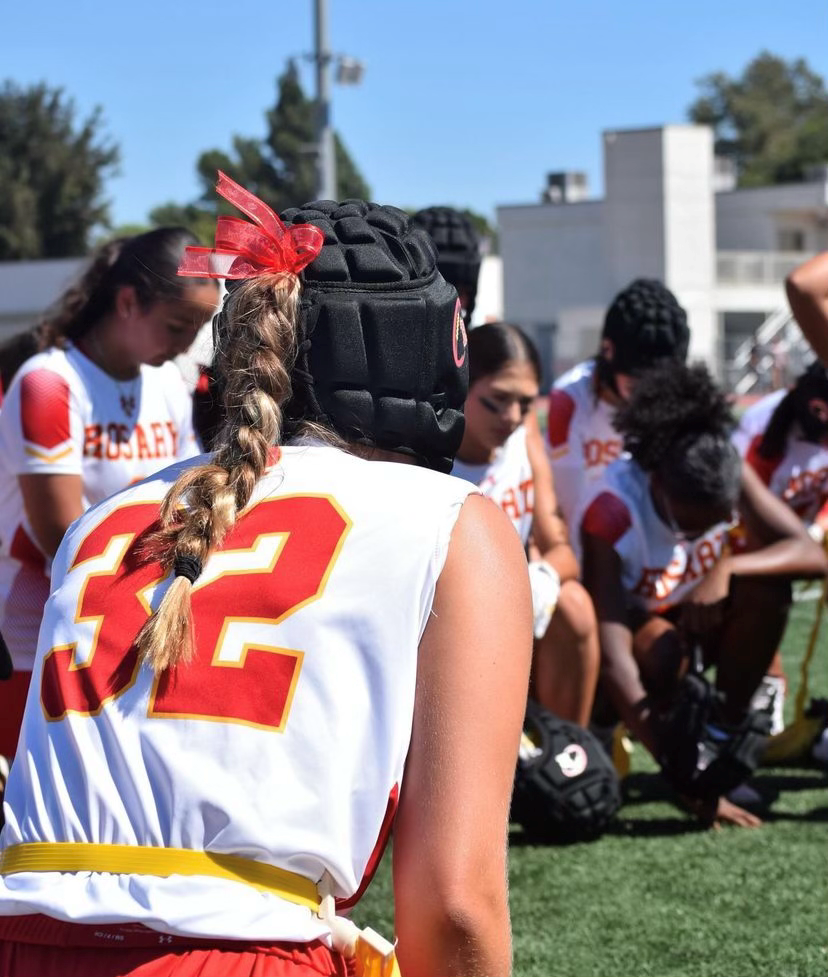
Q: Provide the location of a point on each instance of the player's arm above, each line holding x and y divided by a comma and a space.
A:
52, 503
548, 528
807, 290
46, 452
450, 836
780, 543
619, 675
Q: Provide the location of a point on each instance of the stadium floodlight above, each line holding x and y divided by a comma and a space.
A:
349, 71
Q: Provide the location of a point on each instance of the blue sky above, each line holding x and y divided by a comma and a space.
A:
467, 103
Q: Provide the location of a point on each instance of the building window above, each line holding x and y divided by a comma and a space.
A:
790, 239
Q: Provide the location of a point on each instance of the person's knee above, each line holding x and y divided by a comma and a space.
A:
576, 613
761, 592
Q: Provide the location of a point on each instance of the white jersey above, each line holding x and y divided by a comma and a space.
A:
581, 440
799, 477
755, 419
63, 415
507, 479
658, 571
283, 741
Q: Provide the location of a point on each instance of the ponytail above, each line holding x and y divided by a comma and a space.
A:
146, 262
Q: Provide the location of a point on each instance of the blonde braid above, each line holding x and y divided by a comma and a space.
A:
256, 354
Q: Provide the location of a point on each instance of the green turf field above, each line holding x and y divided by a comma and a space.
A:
658, 897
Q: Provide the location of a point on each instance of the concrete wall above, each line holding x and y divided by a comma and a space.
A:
489, 303
28, 288
552, 258
751, 219
634, 224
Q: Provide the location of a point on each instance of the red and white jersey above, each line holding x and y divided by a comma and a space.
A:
63, 415
799, 476
283, 740
507, 479
581, 439
658, 571
755, 419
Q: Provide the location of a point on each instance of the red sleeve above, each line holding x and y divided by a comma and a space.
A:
764, 467
607, 518
561, 409
44, 409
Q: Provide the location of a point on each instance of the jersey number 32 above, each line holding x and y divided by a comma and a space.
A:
276, 560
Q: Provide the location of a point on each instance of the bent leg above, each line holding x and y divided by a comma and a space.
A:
756, 620
567, 657
662, 657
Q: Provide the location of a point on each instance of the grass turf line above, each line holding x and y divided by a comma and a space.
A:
658, 897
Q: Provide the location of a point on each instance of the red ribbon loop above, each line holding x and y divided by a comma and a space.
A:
245, 250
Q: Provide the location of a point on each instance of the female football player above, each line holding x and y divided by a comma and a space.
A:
686, 552
502, 453
643, 324
97, 409
255, 664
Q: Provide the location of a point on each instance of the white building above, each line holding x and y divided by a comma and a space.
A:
28, 288
670, 211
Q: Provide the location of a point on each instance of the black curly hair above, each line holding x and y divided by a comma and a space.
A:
794, 408
677, 425
645, 324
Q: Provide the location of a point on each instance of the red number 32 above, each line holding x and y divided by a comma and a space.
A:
276, 560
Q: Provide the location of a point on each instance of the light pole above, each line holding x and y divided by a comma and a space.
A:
349, 72
325, 158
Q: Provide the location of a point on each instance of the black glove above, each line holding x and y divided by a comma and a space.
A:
702, 756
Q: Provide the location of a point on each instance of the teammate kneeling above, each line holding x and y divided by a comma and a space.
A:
686, 551
253, 664
499, 454
565, 787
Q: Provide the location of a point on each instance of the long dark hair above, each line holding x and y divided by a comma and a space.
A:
494, 344
794, 409
148, 262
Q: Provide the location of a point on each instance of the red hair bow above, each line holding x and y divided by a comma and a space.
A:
244, 250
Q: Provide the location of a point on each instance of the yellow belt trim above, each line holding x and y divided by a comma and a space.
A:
134, 860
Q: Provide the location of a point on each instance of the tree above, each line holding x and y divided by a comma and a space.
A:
488, 234
281, 169
52, 171
772, 120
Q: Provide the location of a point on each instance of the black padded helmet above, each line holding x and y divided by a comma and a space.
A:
382, 354
458, 248
645, 323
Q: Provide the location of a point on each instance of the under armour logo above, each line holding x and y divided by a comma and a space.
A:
165, 939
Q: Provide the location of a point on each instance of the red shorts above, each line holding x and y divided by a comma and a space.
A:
13, 692
38, 946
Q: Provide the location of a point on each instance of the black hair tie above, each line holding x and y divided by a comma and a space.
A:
187, 566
